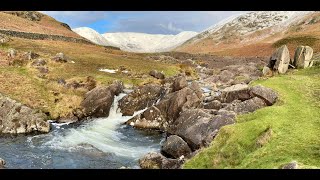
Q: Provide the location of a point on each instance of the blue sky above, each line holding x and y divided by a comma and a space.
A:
153, 22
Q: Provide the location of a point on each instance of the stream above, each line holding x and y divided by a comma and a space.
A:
102, 143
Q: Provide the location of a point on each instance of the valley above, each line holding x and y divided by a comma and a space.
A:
241, 94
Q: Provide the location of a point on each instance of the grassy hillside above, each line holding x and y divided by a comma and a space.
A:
272, 136
47, 25
23, 84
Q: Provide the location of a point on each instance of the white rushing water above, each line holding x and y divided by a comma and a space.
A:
103, 134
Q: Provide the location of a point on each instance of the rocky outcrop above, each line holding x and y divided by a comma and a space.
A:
197, 127
155, 160
142, 97
156, 74
16, 118
29, 15
175, 147
247, 106
267, 71
161, 115
98, 101
302, 57
280, 60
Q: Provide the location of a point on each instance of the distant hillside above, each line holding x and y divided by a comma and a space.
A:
257, 34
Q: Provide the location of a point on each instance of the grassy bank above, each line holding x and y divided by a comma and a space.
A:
272, 136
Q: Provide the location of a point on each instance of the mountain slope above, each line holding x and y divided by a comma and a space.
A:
240, 35
92, 35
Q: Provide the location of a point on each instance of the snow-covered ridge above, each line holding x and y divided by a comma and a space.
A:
251, 22
93, 36
141, 42
136, 42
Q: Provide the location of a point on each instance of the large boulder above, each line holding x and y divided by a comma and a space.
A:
2, 163
175, 147
179, 83
172, 104
98, 101
247, 106
280, 59
155, 160
195, 126
142, 97
156, 74
235, 92
302, 57
16, 118
264, 93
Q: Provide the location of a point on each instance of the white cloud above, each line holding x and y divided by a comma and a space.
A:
171, 27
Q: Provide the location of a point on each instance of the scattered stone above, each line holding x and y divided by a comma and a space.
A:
30, 55
43, 70
39, 62
155, 160
60, 57
156, 74
291, 165
12, 53
61, 81
16, 118
264, 93
176, 147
